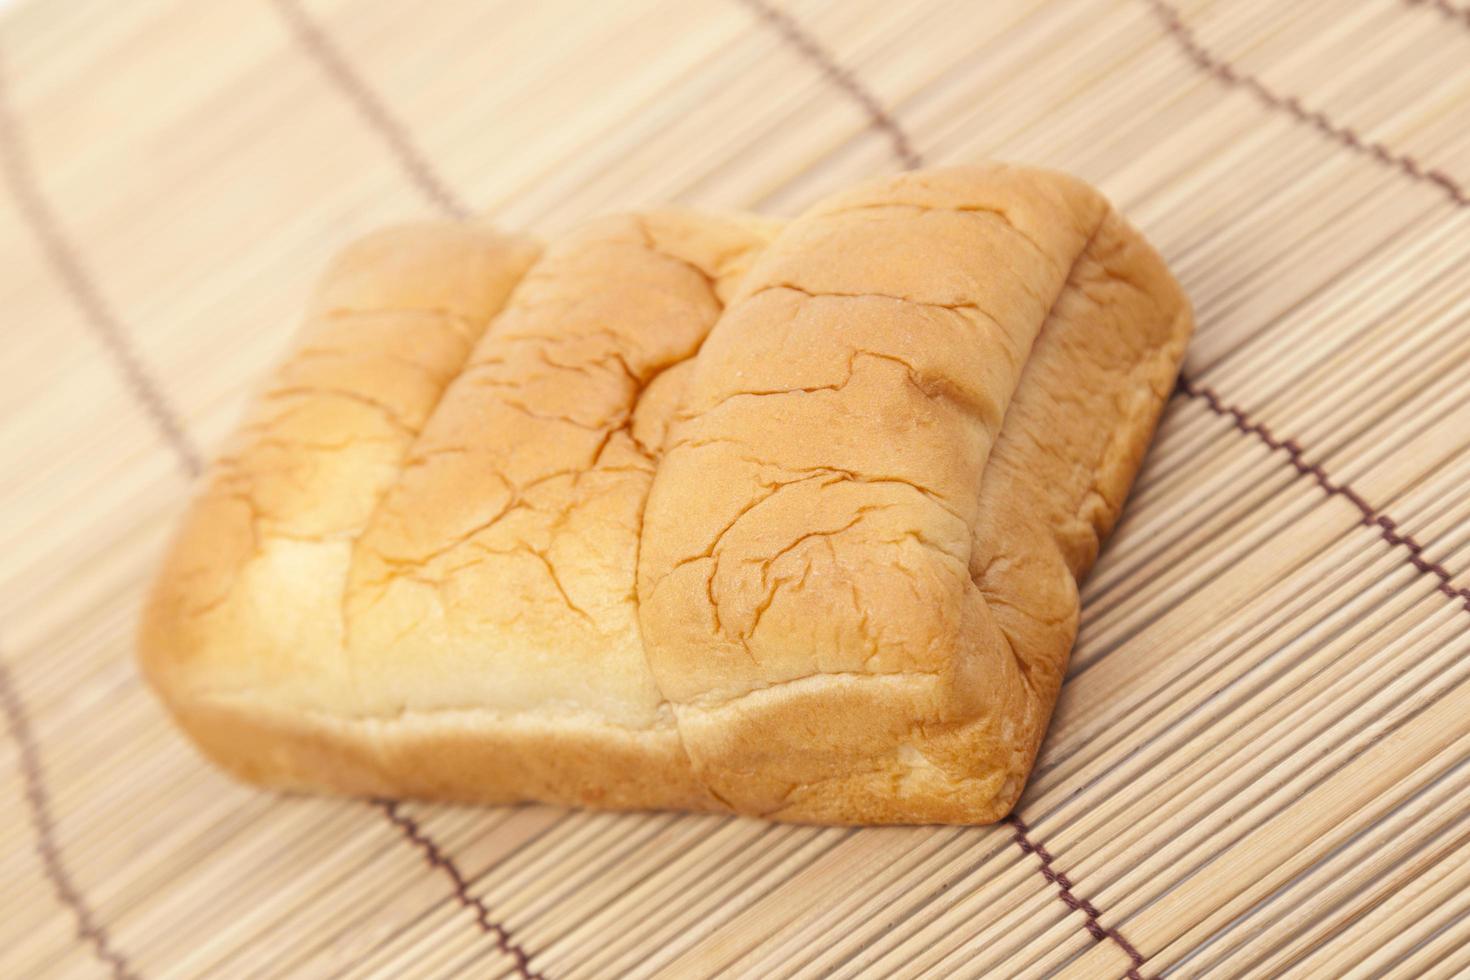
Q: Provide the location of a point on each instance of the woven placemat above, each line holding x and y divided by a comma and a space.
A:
1259, 763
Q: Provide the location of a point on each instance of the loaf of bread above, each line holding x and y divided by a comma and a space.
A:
683, 511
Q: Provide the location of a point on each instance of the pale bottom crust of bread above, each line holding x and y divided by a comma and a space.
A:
460, 756
478, 756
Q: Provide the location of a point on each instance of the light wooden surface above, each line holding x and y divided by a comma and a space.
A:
1259, 764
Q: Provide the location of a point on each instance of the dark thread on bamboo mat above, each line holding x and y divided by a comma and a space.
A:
96, 312
141, 385
38, 804
414, 163
1346, 136
1451, 11
108, 330
1093, 923
438, 859
1386, 526
842, 77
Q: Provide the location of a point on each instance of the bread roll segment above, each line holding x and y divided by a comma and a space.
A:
714, 515
924, 409
249, 597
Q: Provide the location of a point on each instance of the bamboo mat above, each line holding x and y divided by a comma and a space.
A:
1259, 763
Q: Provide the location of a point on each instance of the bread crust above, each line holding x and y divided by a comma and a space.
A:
696, 512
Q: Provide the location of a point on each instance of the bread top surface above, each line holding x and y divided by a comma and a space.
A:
803, 509
849, 400
520, 594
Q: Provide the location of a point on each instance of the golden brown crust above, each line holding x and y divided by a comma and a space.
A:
948, 623
825, 570
248, 597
